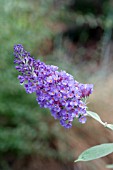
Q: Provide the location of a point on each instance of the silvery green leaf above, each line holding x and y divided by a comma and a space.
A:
109, 166
94, 116
96, 152
110, 126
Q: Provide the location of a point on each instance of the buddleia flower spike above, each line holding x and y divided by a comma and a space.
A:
55, 90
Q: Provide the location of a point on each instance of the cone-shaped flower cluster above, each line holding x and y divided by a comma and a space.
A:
55, 90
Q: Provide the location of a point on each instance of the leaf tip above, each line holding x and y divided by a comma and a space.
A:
78, 160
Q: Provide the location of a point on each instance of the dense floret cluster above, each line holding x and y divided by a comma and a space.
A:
55, 90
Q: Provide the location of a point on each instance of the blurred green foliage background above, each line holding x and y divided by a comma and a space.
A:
51, 30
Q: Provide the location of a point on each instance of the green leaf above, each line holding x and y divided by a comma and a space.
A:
96, 152
95, 116
110, 126
109, 166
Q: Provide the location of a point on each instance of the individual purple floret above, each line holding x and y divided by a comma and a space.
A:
55, 90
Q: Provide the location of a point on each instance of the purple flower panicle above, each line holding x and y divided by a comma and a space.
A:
55, 90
